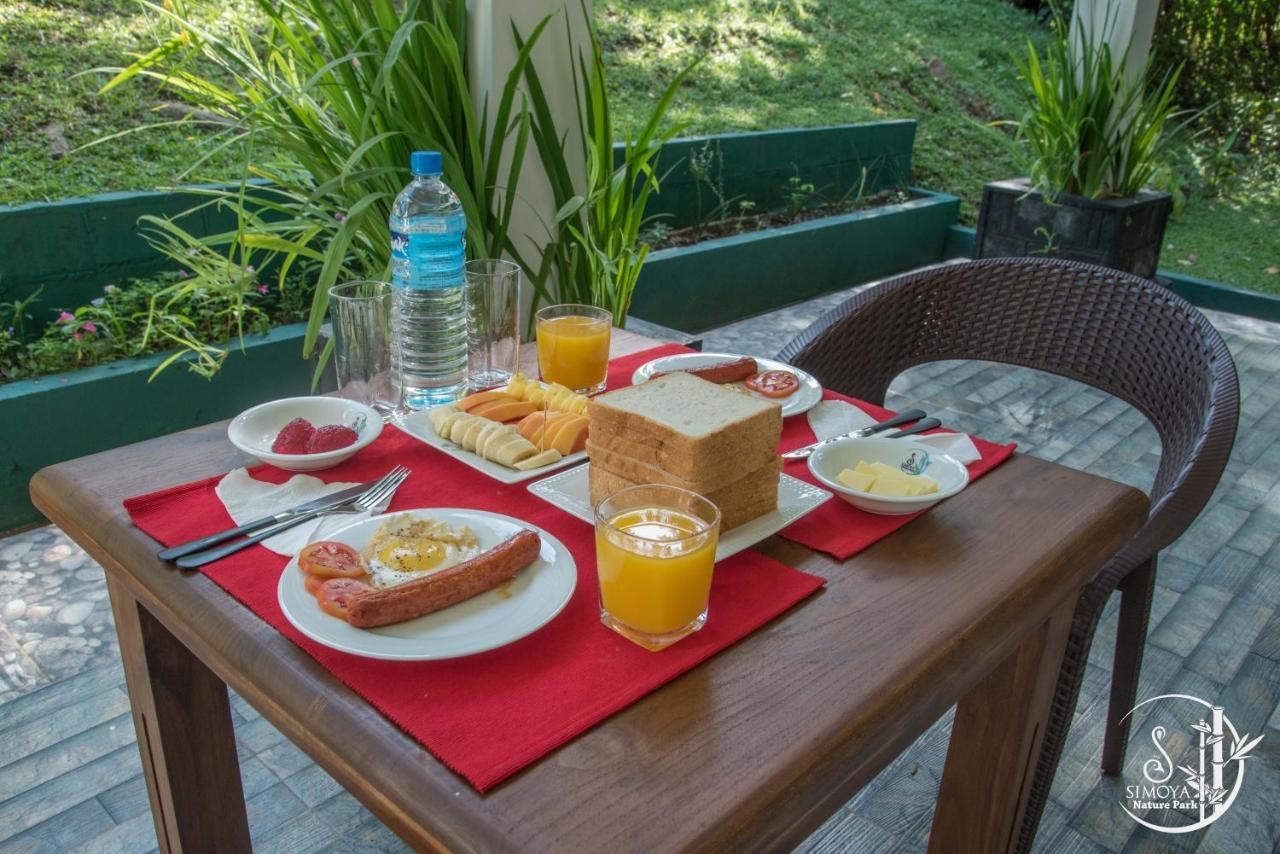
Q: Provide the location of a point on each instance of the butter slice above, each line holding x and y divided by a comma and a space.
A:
863, 468
890, 481
856, 479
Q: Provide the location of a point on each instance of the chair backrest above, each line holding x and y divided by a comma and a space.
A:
1125, 335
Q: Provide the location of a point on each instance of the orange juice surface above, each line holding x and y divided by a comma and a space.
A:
573, 350
656, 587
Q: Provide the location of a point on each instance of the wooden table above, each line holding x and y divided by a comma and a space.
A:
752, 749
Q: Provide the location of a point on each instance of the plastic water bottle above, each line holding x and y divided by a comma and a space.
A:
428, 316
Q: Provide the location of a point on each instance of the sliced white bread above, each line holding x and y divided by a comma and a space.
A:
641, 472
690, 428
739, 502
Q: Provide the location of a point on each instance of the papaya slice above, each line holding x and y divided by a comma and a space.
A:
503, 410
570, 435
471, 401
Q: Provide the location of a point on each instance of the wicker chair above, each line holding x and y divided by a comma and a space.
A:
1127, 336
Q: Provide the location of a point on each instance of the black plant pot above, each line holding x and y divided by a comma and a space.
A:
1124, 234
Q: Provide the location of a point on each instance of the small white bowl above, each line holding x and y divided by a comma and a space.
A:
253, 430
827, 462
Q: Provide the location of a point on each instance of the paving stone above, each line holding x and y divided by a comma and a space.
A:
1176, 573
849, 833
55, 696
258, 734
73, 787
67, 829
1209, 533
1190, 619
20, 741
313, 785
138, 834
272, 807
1229, 569
1252, 694
1224, 648
65, 756
1264, 585
284, 759
1251, 823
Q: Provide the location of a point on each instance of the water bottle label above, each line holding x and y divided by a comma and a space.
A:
424, 260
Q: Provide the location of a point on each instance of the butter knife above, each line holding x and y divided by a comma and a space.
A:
324, 502
903, 418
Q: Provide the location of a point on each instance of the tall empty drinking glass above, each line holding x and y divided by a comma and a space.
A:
493, 327
361, 315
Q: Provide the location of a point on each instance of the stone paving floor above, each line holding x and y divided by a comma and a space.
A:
70, 778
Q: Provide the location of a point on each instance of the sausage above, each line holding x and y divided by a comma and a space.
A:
485, 571
721, 372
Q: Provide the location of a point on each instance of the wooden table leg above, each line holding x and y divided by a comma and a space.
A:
185, 735
994, 744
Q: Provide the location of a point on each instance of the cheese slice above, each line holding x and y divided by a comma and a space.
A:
856, 480
890, 481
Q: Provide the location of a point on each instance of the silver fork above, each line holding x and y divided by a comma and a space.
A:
376, 498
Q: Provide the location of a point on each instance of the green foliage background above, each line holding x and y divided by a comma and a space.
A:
769, 63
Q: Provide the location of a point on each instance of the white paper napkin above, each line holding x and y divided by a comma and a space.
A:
835, 418
247, 499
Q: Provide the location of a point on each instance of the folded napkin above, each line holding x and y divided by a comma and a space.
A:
246, 499
830, 418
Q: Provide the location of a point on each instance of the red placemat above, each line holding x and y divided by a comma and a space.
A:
488, 715
837, 527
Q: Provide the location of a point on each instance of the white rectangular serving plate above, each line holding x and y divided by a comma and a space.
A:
568, 491
418, 425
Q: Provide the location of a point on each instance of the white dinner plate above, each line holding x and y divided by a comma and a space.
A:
490, 620
568, 490
809, 393
418, 425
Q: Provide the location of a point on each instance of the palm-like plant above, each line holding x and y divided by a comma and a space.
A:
595, 251
345, 89
1087, 129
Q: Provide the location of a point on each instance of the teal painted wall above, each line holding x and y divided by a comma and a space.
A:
720, 281
757, 166
74, 247
1198, 292
55, 418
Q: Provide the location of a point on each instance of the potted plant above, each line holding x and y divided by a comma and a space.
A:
1092, 140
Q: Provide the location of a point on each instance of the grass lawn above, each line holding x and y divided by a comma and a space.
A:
769, 64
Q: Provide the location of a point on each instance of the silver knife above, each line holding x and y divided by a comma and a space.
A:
324, 502
903, 418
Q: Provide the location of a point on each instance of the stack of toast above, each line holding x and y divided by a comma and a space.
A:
683, 431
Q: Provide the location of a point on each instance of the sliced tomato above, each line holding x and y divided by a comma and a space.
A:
335, 595
328, 559
312, 583
774, 383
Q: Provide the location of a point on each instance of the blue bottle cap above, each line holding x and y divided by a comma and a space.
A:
426, 163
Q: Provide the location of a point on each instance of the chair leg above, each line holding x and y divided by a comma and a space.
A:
1070, 675
1135, 611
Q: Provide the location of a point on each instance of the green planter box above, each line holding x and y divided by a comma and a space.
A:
72, 248
63, 416
695, 288
757, 166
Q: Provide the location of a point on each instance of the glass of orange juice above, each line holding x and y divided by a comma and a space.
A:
655, 547
573, 346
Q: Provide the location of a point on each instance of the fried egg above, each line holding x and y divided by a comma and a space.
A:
404, 549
